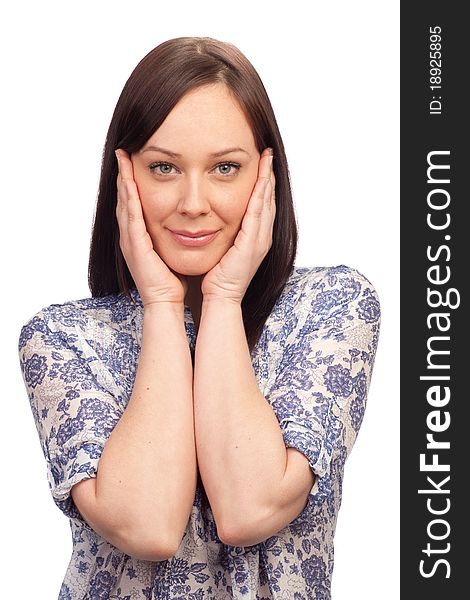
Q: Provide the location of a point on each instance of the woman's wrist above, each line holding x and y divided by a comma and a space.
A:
157, 310
221, 301
223, 308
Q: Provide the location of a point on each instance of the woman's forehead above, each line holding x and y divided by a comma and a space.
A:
208, 116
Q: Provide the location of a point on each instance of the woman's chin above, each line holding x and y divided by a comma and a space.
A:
190, 270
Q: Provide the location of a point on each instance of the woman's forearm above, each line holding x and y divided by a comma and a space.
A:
240, 448
147, 472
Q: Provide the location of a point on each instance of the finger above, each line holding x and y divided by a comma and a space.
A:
267, 217
257, 225
273, 187
266, 168
126, 169
125, 177
134, 223
121, 203
126, 187
266, 172
268, 213
265, 162
259, 200
258, 197
270, 192
135, 218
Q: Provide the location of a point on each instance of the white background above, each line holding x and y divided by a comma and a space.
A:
331, 70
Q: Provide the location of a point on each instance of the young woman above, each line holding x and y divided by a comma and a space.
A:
196, 412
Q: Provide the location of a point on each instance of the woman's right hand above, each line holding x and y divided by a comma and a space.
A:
154, 280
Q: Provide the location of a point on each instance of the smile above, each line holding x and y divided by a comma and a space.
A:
198, 239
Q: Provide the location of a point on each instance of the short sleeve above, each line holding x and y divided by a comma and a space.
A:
73, 413
320, 389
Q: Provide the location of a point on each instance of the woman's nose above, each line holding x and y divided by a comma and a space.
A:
194, 199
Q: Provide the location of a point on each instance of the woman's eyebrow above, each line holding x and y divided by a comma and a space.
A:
212, 155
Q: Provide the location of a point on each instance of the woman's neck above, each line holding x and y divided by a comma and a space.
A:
193, 297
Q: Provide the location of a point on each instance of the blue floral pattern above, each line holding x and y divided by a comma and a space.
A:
313, 364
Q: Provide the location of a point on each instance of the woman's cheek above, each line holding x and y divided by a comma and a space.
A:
155, 203
235, 210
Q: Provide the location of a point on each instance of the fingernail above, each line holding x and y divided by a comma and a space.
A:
116, 152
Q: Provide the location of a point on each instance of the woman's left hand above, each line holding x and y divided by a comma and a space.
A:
231, 276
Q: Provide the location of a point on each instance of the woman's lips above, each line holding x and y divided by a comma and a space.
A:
199, 239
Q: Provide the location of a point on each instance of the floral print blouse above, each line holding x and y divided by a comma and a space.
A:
313, 364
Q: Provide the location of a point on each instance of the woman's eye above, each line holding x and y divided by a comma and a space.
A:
161, 168
228, 168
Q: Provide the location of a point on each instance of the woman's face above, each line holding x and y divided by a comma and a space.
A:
196, 173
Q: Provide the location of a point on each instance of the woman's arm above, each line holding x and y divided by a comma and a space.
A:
143, 493
255, 486
147, 473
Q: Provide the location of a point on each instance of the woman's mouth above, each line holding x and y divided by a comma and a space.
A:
197, 238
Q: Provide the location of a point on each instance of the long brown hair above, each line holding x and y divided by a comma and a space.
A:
155, 86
